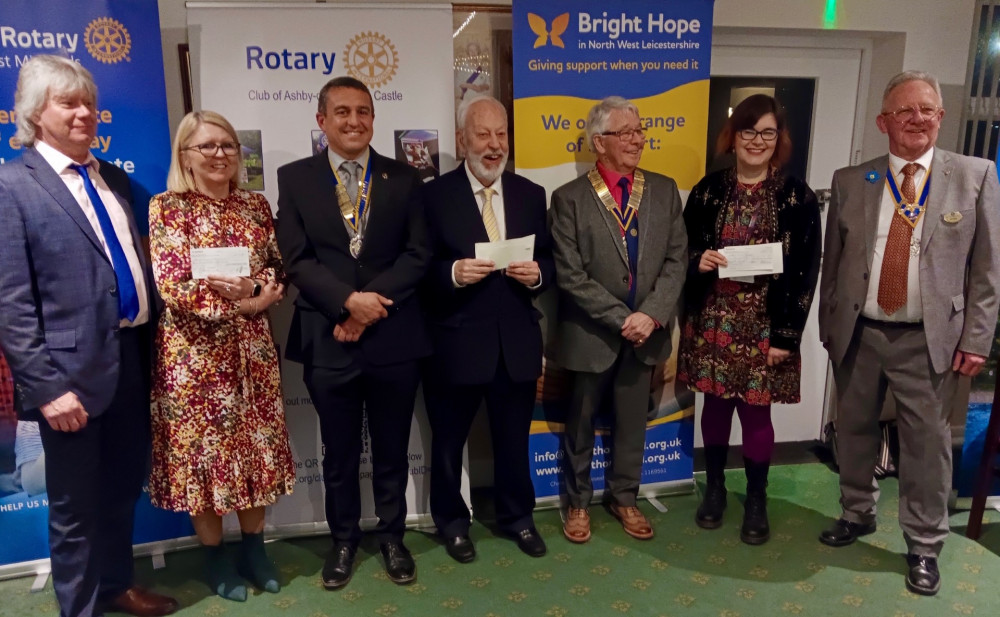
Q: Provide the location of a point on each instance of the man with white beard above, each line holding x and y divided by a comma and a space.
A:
484, 328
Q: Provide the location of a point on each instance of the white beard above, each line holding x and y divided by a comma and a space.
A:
485, 174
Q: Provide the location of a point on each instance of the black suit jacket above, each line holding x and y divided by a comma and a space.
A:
471, 325
315, 248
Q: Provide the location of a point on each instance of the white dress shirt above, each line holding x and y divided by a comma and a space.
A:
498, 213
496, 203
74, 182
913, 310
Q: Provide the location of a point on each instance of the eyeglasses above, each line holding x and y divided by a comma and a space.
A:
627, 134
766, 134
229, 149
906, 114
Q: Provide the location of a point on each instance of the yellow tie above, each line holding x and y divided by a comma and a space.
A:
489, 219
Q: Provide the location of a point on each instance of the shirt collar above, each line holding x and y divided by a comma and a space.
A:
336, 159
478, 186
611, 178
59, 161
897, 163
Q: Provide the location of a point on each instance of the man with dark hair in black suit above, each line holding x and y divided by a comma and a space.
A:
352, 235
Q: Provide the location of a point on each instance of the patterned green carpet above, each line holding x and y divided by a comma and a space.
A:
683, 571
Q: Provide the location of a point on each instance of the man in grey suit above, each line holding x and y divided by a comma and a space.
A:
77, 314
620, 253
908, 301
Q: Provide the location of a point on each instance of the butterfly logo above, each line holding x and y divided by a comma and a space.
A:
539, 27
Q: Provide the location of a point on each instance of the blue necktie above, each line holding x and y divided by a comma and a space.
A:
631, 242
128, 297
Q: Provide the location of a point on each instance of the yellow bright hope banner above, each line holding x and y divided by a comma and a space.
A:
676, 124
570, 54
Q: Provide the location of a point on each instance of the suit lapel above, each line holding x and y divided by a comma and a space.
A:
610, 222
873, 203
511, 213
645, 221
379, 187
940, 177
49, 180
467, 210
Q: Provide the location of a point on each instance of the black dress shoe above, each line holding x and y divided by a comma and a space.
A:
845, 532
923, 577
530, 542
460, 548
398, 563
339, 566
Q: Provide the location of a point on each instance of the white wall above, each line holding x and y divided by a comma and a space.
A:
937, 31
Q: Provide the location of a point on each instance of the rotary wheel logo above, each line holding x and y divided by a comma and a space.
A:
371, 58
107, 40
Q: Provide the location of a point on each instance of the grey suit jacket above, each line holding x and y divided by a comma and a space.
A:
58, 292
592, 272
959, 255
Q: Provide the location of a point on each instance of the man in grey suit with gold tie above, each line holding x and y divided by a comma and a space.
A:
908, 301
620, 247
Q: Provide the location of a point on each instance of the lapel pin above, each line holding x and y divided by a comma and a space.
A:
872, 177
385, 176
952, 217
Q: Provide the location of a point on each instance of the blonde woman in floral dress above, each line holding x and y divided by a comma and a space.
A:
219, 438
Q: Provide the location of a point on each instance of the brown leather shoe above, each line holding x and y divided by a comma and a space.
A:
633, 520
143, 603
577, 525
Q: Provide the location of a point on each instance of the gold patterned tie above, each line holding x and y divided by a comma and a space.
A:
892, 287
489, 219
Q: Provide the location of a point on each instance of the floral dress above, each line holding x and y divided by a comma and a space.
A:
724, 346
219, 437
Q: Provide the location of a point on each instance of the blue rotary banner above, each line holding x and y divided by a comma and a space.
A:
568, 55
119, 42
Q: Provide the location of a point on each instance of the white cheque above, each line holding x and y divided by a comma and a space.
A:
223, 261
752, 260
505, 251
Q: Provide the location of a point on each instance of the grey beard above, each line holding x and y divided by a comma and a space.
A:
482, 173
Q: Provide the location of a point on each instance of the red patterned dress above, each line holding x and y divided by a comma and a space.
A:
219, 437
724, 348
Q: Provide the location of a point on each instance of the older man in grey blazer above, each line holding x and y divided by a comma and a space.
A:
619, 248
908, 302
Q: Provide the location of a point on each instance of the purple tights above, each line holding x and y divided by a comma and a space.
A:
758, 432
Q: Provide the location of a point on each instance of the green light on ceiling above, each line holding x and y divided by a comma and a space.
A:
830, 15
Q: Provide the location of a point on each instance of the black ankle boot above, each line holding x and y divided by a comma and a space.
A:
755, 529
709, 514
